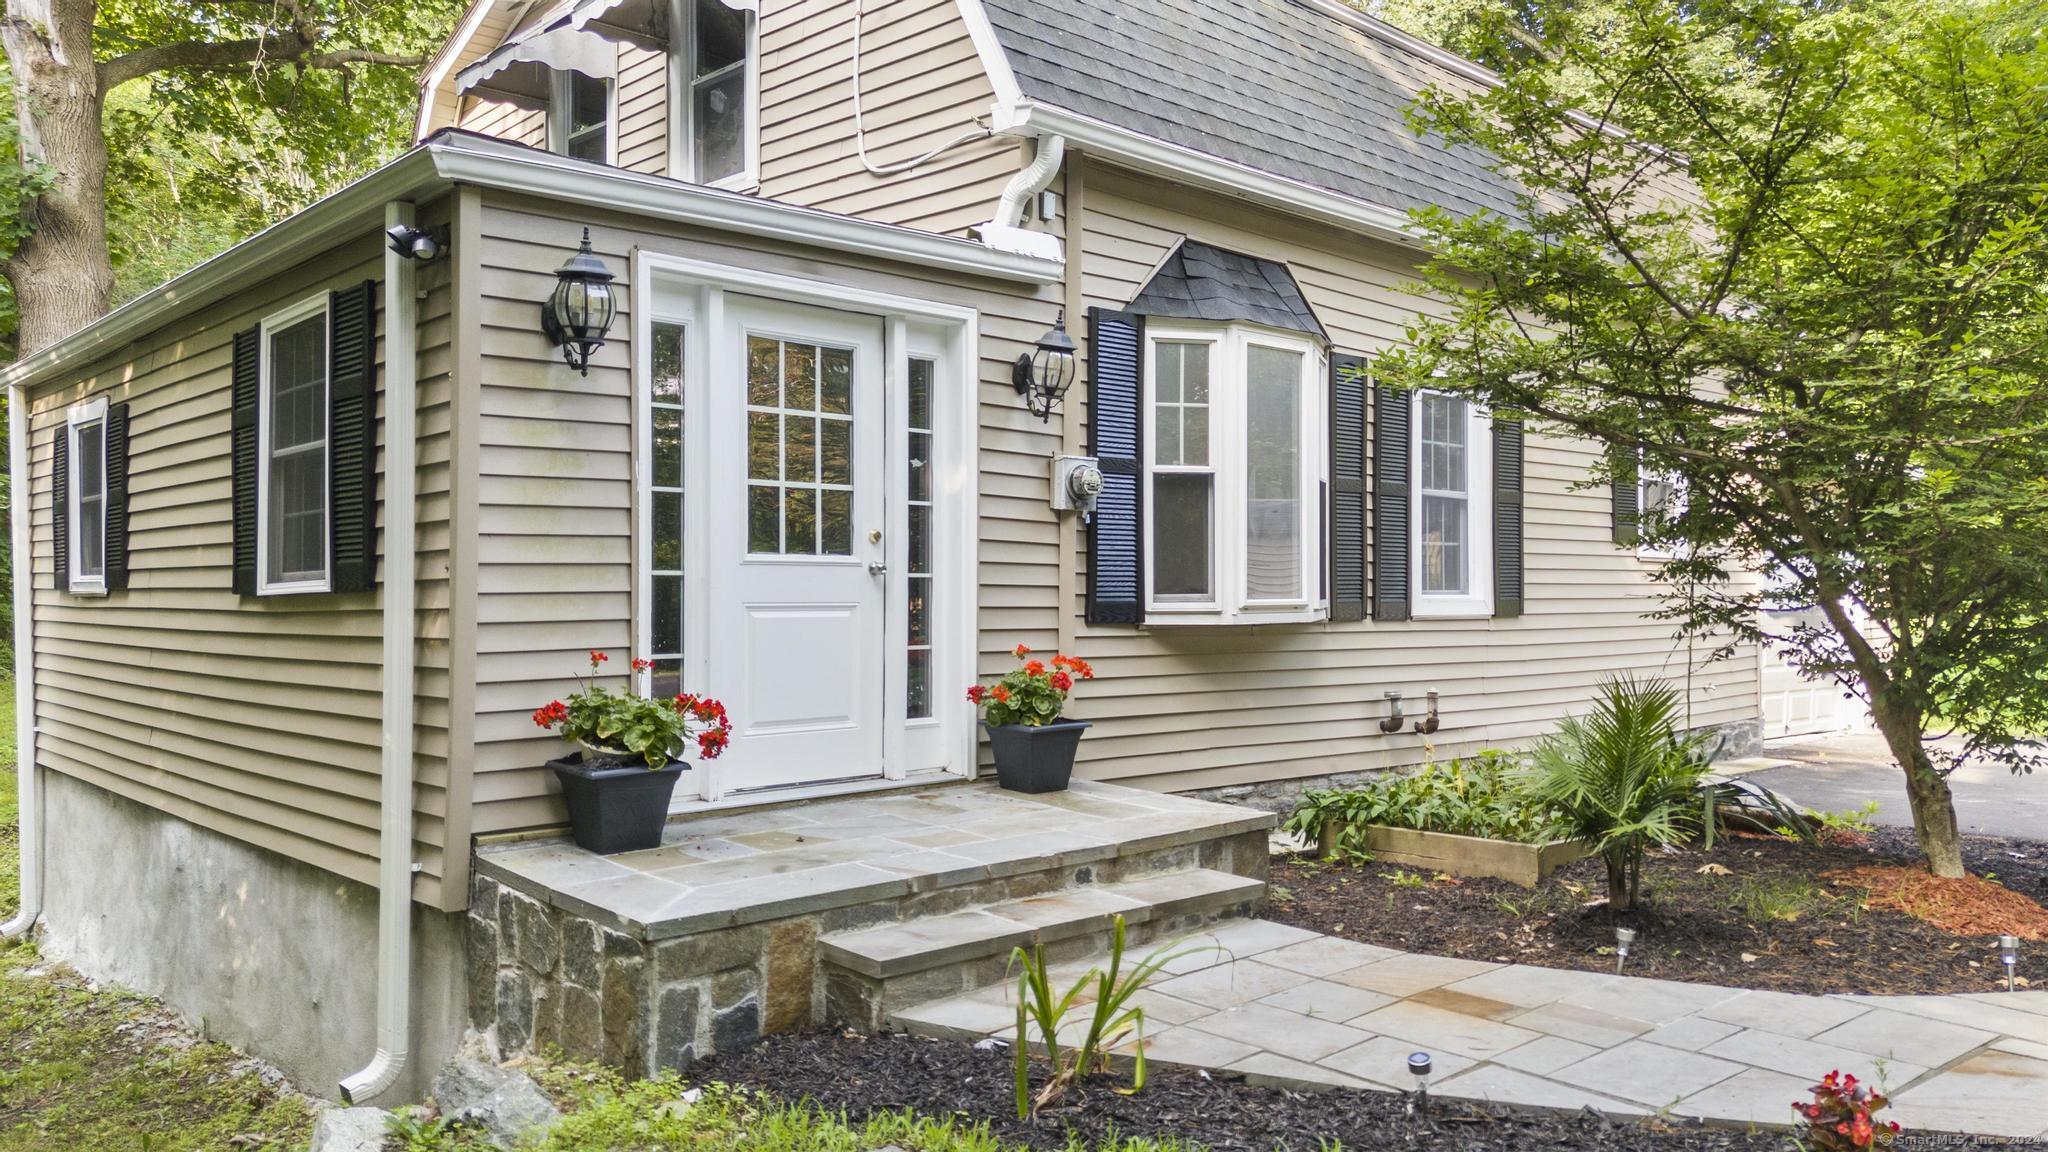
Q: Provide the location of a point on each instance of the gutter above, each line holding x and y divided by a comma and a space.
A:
1202, 170
395, 800
456, 156
28, 781
1006, 233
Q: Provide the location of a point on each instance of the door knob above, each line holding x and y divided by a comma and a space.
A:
877, 568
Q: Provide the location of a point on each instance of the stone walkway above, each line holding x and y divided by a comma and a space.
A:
1290, 1006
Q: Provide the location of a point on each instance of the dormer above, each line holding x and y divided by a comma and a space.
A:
670, 87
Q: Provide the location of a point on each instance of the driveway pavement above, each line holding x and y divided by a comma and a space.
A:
1837, 773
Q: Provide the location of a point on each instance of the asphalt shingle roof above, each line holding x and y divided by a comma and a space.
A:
1199, 282
1270, 84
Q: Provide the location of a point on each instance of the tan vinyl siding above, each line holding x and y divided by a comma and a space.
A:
1197, 707
643, 110
256, 718
528, 126
554, 522
921, 86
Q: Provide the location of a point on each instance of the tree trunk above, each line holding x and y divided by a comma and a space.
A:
62, 275
1934, 809
1620, 893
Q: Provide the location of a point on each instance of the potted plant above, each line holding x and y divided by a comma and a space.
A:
618, 786
1034, 745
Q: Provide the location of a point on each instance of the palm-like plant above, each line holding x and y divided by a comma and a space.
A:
1621, 779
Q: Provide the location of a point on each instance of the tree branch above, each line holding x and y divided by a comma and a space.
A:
223, 55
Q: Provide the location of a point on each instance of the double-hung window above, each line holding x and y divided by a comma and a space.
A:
1660, 499
580, 117
292, 451
87, 461
1234, 463
1453, 506
716, 94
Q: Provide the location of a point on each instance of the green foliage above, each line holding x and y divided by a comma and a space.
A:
1113, 1017
1783, 898
1851, 821
1476, 797
1829, 326
1621, 779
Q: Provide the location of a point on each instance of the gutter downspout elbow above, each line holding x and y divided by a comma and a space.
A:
1006, 232
28, 781
395, 800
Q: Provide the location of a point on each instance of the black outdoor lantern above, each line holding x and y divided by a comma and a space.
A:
1044, 374
580, 310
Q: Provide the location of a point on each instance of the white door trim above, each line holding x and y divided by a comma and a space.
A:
692, 292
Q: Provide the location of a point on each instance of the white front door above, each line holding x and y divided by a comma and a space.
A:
797, 552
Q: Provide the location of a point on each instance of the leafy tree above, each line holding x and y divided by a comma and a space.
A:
264, 103
1810, 281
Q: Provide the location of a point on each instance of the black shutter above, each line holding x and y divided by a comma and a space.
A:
248, 405
352, 435
1348, 383
1390, 534
1116, 555
60, 506
1627, 510
117, 496
1507, 518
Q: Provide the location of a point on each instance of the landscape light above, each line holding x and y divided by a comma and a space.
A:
1623, 937
2009, 955
1418, 1067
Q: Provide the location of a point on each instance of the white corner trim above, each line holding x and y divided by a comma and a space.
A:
1149, 154
990, 49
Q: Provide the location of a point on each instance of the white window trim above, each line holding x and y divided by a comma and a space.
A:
558, 115
1477, 602
1644, 477
311, 306
682, 151
79, 416
1229, 463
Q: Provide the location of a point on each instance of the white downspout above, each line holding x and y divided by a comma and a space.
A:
1006, 232
394, 841
21, 492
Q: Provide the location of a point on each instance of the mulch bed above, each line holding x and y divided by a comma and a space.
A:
859, 1075
1773, 919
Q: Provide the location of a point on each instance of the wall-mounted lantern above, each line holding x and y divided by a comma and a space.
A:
579, 312
1043, 375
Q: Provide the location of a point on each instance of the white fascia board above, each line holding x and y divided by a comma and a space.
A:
444, 62
659, 197
357, 211
990, 50
1150, 154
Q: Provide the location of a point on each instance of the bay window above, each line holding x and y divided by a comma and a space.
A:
1233, 469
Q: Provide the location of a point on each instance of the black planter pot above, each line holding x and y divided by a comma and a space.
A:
1035, 759
616, 808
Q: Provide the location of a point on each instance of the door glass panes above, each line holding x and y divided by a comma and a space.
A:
296, 512
90, 452
718, 91
917, 677
799, 448
588, 119
1446, 497
1273, 552
665, 502
1182, 483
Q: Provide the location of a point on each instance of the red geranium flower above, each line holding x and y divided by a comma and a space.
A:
1034, 668
1021, 651
1001, 693
1062, 681
976, 694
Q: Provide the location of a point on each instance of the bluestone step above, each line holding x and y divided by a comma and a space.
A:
918, 945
